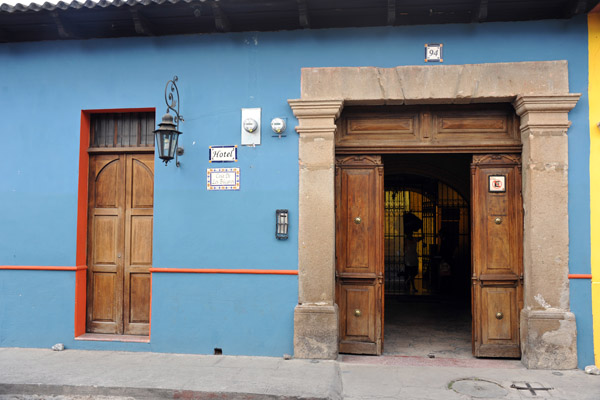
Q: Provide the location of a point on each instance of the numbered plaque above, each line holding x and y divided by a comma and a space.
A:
433, 52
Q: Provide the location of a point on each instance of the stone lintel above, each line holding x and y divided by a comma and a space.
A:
316, 331
549, 339
435, 84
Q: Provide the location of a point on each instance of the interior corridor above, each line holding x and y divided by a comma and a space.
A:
423, 326
427, 256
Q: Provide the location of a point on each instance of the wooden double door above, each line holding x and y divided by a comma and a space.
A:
497, 229
120, 216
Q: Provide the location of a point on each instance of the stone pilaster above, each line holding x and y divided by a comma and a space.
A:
316, 315
548, 333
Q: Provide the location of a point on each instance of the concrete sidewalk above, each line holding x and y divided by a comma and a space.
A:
75, 374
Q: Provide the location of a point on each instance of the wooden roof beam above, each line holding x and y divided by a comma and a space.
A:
303, 14
481, 11
64, 32
141, 24
221, 21
391, 12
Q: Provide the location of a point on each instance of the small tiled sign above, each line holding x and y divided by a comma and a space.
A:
497, 183
222, 154
433, 52
222, 179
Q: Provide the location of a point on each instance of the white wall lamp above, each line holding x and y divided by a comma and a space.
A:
281, 224
167, 134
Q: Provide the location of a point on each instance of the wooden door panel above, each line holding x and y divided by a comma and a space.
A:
358, 318
139, 190
104, 292
139, 284
138, 311
359, 221
359, 253
141, 240
106, 185
359, 306
498, 327
105, 237
142, 184
497, 251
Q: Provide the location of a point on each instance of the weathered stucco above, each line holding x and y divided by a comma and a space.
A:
539, 92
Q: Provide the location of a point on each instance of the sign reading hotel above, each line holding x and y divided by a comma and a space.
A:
222, 179
222, 154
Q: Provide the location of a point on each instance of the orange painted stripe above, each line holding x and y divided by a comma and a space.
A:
43, 268
580, 276
227, 271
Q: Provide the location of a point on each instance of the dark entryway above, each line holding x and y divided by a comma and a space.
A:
427, 255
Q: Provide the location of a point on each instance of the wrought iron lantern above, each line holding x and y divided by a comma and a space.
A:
167, 134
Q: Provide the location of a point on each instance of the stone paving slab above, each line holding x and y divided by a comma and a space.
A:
107, 375
193, 373
367, 381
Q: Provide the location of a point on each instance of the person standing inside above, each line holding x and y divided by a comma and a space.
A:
411, 261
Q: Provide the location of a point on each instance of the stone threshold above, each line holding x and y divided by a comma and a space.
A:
416, 361
102, 337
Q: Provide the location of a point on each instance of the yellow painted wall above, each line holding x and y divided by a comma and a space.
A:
594, 97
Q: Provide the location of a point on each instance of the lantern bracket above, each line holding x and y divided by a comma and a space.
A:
173, 101
170, 124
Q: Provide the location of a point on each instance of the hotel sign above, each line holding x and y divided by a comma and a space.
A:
222, 154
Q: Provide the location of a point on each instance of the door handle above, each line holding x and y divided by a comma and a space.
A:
357, 220
357, 313
499, 315
498, 220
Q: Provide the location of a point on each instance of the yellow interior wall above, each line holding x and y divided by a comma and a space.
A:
594, 98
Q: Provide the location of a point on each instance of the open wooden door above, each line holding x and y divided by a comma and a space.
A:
360, 253
497, 254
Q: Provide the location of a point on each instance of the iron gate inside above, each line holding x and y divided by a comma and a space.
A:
443, 236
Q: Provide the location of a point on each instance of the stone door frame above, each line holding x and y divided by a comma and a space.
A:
539, 92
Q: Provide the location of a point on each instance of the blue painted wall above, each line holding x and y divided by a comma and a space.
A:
44, 87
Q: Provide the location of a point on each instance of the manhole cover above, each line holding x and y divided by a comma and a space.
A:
478, 388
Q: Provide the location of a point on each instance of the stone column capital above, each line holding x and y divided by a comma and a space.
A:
316, 108
545, 114
316, 117
545, 103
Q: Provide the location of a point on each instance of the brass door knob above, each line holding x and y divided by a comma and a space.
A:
499, 315
357, 220
357, 313
498, 220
